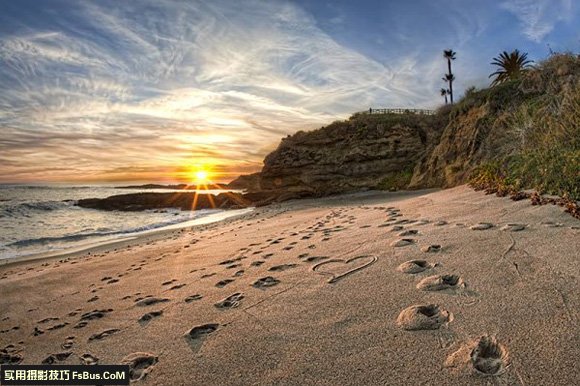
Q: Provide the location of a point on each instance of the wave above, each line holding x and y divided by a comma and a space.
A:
101, 232
25, 208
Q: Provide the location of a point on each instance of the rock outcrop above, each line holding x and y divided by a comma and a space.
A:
250, 182
183, 201
364, 152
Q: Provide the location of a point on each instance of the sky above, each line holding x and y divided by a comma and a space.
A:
152, 90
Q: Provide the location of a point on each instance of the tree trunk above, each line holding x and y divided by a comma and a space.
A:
450, 81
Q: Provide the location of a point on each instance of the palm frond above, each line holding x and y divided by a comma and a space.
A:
511, 66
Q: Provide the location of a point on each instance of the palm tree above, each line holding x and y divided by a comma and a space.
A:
511, 66
444, 93
450, 55
449, 78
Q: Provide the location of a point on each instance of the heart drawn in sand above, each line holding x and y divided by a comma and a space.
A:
335, 268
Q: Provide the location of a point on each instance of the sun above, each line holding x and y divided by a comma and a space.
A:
200, 177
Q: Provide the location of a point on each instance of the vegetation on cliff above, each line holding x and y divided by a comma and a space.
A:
540, 117
523, 132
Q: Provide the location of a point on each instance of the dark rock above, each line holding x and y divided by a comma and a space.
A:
179, 200
250, 182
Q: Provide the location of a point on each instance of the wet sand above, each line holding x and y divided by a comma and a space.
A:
445, 287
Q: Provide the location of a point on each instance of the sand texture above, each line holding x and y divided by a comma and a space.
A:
445, 287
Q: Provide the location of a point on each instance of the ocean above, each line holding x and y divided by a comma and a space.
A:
43, 220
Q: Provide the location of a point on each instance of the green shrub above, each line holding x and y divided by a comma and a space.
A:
397, 180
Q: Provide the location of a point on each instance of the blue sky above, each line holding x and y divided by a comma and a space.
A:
150, 89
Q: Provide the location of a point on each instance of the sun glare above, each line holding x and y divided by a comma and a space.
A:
201, 176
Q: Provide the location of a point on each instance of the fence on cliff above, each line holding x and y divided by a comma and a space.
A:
399, 111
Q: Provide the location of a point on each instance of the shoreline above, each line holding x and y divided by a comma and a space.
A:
114, 244
161, 233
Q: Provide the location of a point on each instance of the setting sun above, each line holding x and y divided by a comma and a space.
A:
201, 176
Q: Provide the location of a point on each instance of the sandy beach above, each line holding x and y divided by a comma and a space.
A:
318, 292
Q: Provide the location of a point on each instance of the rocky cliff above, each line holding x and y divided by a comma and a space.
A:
250, 182
366, 151
520, 125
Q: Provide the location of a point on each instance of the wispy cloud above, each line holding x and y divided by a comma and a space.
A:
538, 17
102, 88
182, 71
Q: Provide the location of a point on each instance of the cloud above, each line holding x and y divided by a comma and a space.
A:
163, 75
105, 86
538, 17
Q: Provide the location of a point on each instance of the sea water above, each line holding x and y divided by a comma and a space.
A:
45, 220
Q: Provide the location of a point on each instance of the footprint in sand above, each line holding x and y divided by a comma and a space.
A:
140, 364
282, 267
103, 334
440, 282
431, 248
415, 266
145, 319
68, 343
88, 360
423, 317
485, 356
223, 283
8, 358
315, 259
551, 224
57, 326
150, 301
402, 243
192, 298
489, 357
196, 335
266, 282
481, 226
231, 301
59, 357
46, 320
513, 227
